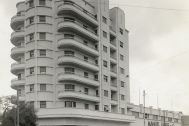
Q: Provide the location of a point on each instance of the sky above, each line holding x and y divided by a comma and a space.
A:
158, 50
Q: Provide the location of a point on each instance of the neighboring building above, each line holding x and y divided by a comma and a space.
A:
72, 61
153, 117
185, 120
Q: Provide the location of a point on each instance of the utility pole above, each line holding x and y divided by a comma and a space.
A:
144, 105
17, 108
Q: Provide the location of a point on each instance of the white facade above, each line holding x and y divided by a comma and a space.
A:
72, 62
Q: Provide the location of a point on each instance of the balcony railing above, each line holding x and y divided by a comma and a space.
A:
113, 71
18, 15
17, 63
112, 43
112, 29
79, 92
82, 59
77, 74
113, 99
16, 79
80, 40
113, 57
17, 47
114, 85
16, 32
79, 7
80, 24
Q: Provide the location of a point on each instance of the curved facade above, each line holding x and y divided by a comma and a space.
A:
72, 61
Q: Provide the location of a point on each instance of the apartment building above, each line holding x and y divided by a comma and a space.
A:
72, 61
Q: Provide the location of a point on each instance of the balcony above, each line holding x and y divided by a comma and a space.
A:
83, 114
113, 87
16, 67
71, 8
112, 31
78, 61
17, 51
17, 20
114, 101
17, 36
77, 94
78, 43
79, 78
78, 28
15, 83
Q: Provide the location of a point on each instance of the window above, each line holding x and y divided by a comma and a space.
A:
69, 70
32, 70
19, 76
105, 78
104, 19
68, 36
122, 70
85, 58
43, 70
121, 44
122, 84
105, 64
69, 87
106, 93
122, 110
96, 62
31, 103
68, 53
169, 119
104, 34
136, 114
86, 90
121, 31
31, 37
96, 92
176, 120
19, 92
31, 20
121, 57
86, 106
105, 49
146, 116
96, 77
42, 87
31, 3
85, 74
96, 107
42, 19
31, 54
42, 36
70, 104
41, 2
85, 42
42, 53
32, 87
106, 108
122, 97
42, 104
155, 117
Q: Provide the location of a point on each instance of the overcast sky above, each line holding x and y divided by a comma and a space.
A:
159, 51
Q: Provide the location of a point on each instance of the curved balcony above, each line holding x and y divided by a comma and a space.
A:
17, 20
78, 43
17, 36
78, 61
15, 83
16, 67
75, 77
71, 8
17, 51
78, 28
77, 94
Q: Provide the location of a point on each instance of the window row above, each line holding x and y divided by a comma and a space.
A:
112, 53
155, 117
43, 87
42, 53
42, 36
41, 19
106, 95
41, 2
42, 70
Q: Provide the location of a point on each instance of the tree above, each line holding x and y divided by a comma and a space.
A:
27, 113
